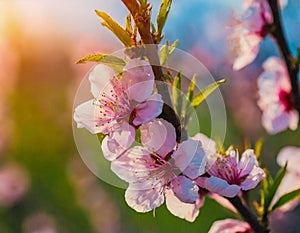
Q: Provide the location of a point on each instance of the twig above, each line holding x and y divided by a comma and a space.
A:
247, 215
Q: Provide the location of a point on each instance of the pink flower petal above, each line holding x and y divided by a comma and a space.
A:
147, 111
290, 154
275, 119
144, 200
184, 155
139, 78
247, 162
208, 144
180, 209
134, 165
159, 136
184, 189
249, 48
253, 179
99, 78
230, 226
86, 116
217, 185
197, 166
118, 141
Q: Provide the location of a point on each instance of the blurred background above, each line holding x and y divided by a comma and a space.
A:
44, 185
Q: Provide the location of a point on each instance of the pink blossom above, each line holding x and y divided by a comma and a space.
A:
119, 101
291, 180
229, 174
249, 31
230, 226
161, 168
14, 184
275, 97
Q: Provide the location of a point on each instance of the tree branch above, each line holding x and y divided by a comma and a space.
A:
292, 67
142, 17
247, 215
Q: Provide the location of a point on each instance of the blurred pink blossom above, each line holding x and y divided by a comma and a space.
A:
291, 180
39, 223
119, 99
228, 173
230, 226
275, 97
14, 184
249, 31
159, 168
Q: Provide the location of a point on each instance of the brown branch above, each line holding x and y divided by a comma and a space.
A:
292, 67
142, 17
247, 215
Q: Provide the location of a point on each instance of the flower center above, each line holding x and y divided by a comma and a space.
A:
286, 99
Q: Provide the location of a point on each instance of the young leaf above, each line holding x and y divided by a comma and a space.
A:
257, 148
189, 96
166, 51
286, 198
206, 92
114, 62
190, 92
177, 95
162, 16
269, 195
123, 35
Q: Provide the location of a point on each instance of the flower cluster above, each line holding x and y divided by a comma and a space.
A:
158, 168
276, 99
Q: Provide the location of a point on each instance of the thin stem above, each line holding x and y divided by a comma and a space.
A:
292, 67
247, 215
142, 18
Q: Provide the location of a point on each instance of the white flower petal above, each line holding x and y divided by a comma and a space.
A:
118, 141
290, 154
180, 209
144, 200
86, 116
99, 78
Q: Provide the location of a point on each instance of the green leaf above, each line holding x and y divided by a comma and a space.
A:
177, 95
206, 92
128, 24
190, 92
114, 62
166, 51
163, 15
123, 35
286, 198
271, 190
189, 97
